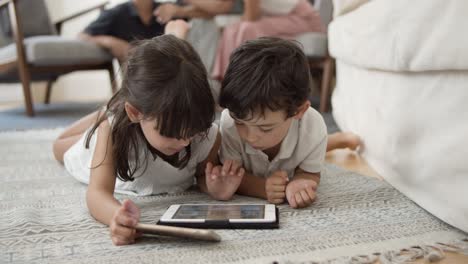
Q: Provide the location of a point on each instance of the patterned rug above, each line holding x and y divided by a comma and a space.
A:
43, 218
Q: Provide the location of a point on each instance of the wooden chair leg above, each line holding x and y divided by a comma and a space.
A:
112, 78
26, 83
325, 89
48, 91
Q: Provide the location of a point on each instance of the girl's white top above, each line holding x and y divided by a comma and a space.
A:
159, 176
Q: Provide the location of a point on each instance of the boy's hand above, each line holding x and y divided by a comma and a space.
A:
301, 192
222, 181
275, 187
122, 225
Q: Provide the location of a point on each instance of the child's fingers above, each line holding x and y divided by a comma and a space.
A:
125, 220
299, 201
241, 172
278, 195
234, 167
311, 184
278, 188
208, 169
292, 201
121, 231
131, 208
119, 240
305, 197
311, 193
276, 201
226, 167
277, 181
215, 172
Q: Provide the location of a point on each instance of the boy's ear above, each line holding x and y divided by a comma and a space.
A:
133, 114
302, 109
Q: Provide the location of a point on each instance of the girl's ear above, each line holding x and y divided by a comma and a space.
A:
301, 110
133, 114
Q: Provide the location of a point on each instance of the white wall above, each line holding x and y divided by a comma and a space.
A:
79, 86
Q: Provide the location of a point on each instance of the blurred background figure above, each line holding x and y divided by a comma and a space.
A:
274, 18
116, 27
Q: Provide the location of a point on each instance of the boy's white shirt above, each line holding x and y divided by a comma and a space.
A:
304, 146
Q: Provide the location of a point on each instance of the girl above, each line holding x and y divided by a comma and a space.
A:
154, 136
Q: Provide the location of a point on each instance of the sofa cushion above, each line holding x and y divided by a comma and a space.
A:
56, 50
314, 44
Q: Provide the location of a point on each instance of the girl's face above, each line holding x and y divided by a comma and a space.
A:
168, 146
263, 132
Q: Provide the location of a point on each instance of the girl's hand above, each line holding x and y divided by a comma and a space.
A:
122, 225
275, 187
301, 192
222, 181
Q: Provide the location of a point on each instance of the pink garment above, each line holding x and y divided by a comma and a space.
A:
303, 18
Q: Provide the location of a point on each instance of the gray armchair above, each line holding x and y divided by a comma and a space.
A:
31, 48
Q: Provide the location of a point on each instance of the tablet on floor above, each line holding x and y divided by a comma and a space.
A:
225, 216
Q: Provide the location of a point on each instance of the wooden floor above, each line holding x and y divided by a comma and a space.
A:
352, 161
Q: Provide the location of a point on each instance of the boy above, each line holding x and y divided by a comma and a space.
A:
269, 128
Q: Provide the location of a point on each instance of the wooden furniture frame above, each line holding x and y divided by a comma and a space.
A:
26, 70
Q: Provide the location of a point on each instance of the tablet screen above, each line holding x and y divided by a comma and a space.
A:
220, 212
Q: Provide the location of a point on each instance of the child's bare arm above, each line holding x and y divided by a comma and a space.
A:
302, 174
252, 185
102, 205
213, 159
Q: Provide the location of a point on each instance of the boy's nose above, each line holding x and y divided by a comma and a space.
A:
250, 137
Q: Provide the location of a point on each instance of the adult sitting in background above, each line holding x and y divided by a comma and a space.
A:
116, 27
275, 18
204, 33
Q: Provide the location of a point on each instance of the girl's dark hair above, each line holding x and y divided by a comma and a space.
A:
265, 73
165, 80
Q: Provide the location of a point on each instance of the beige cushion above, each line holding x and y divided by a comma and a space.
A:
314, 44
56, 50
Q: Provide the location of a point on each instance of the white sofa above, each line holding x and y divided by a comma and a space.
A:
402, 85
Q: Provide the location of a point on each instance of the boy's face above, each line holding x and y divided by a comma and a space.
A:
264, 131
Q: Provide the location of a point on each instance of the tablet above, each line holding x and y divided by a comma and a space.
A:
228, 216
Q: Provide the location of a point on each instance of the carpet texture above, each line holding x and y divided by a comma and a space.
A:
44, 219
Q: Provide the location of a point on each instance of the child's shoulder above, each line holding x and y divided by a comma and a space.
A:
312, 126
226, 122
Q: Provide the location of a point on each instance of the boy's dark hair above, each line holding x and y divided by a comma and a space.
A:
265, 73
165, 79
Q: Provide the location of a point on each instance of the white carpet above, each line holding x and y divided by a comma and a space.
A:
43, 218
